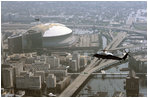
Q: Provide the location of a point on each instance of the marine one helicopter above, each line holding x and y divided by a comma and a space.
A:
107, 55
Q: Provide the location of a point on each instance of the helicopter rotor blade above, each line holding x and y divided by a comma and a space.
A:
107, 50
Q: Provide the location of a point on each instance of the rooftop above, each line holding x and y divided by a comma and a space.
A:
51, 29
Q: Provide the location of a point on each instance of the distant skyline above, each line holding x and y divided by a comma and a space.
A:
25, 12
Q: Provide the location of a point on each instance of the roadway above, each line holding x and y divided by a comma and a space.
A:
74, 86
107, 73
7, 26
110, 32
110, 27
114, 43
92, 67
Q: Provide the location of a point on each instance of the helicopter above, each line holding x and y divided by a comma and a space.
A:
107, 55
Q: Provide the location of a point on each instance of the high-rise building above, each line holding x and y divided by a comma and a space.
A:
73, 65
15, 62
76, 57
51, 81
15, 43
28, 82
53, 61
18, 67
40, 73
61, 85
7, 77
60, 74
35, 73
83, 61
132, 85
57, 62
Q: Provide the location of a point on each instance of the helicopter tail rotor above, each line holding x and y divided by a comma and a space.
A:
127, 53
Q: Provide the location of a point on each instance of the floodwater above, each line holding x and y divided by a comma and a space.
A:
110, 84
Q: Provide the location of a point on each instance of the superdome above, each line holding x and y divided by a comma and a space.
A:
56, 30
49, 35
52, 29
57, 35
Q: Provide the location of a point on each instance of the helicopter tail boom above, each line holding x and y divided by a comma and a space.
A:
125, 56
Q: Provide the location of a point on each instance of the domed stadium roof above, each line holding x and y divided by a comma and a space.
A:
52, 29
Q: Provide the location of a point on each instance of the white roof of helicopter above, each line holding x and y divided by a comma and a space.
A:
105, 53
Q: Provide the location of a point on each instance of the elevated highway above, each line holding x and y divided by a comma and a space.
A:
92, 67
109, 27
108, 73
7, 26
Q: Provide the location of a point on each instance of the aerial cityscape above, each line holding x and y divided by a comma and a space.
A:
73, 48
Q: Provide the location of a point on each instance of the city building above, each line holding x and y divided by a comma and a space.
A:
61, 85
53, 61
73, 66
40, 73
30, 54
31, 84
47, 35
138, 63
76, 57
17, 62
23, 73
132, 85
38, 66
40, 59
60, 74
15, 43
30, 60
60, 54
83, 61
64, 60
7, 77
15, 69
51, 81
28, 82
35, 73
18, 67
57, 62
